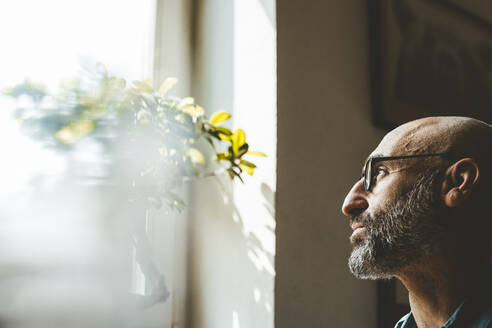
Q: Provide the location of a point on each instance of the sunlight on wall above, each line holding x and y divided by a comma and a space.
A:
255, 110
233, 239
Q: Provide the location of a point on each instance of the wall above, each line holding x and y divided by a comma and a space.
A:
232, 225
173, 58
324, 134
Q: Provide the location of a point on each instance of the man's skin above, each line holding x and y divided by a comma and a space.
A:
439, 281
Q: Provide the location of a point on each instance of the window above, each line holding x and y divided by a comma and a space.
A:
68, 247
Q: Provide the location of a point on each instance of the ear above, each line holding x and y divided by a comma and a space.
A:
459, 182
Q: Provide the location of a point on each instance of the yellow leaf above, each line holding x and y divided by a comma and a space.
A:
167, 85
248, 164
224, 137
148, 81
74, 131
223, 156
224, 130
196, 155
248, 169
7, 91
256, 153
143, 86
120, 83
186, 102
238, 139
193, 110
219, 117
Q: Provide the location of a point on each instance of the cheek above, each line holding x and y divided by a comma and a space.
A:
380, 202
391, 188
380, 198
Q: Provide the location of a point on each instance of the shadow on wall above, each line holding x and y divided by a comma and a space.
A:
232, 262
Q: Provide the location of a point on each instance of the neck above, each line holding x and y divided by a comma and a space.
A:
433, 299
437, 287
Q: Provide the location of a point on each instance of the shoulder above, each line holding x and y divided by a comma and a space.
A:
485, 320
476, 313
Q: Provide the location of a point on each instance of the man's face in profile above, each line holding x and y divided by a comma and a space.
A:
398, 233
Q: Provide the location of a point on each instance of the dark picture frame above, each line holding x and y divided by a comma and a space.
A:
428, 58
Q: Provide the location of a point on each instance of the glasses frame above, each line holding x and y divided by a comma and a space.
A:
367, 170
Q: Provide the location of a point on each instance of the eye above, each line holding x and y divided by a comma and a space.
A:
379, 172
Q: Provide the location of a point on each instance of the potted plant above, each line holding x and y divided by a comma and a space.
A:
148, 144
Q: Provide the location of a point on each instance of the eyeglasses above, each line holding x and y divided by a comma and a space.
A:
367, 170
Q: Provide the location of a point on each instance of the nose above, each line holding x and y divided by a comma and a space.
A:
355, 201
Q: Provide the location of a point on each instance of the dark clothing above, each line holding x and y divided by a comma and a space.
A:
474, 312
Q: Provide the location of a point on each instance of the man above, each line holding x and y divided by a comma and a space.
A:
421, 213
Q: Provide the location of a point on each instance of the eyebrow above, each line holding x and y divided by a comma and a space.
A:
377, 155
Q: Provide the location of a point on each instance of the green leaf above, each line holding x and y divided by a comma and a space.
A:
233, 174
219, 117
167, 85
149, 101
242, 150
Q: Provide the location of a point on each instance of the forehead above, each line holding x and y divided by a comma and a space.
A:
393, 144
411, 138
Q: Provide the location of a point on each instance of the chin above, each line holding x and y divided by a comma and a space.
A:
364, 264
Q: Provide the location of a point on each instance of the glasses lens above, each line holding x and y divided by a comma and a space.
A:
368, 175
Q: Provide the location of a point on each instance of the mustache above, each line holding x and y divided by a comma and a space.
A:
364, 218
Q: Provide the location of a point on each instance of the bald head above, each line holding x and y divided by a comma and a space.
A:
459, 135
428, 206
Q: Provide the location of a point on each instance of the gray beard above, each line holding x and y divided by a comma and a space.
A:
400, 234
